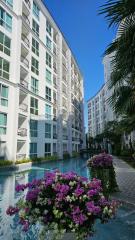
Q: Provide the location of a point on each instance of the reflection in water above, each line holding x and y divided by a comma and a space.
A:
9, 229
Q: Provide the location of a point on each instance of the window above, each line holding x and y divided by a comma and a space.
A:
33, 150
48, 60
5, 43
48, 76
54, 148
48, 28
34, 106
34, 85
5, 19
3, 123
36, 10
64, 147
47, 130
35, 66
33, 128
48, 93
35, 47
3, 95
47, 149
48, 112
35, 27
4, 68
48, 43
54, 132
9, 2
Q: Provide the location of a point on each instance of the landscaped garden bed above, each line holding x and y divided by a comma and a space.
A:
62, 203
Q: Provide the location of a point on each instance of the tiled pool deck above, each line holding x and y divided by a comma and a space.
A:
125, 176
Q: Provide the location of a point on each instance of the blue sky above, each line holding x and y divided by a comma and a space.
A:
87, 34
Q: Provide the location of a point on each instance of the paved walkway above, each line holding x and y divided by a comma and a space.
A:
125, 176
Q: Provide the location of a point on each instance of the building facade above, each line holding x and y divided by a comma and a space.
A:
97, 113
41, 86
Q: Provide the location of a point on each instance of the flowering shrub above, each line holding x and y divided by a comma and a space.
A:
101, 160
63, 203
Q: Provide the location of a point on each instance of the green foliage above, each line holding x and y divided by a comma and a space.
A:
66, 155
107, 177
75, 154
126, 153
38, 159
4, 163
122, 14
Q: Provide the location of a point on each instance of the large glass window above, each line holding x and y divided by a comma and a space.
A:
34, 106
54, 132
3, 95
36, 10
48, 94
35, 47
34, 85
47, 149
5, 43
47, 130
48, 60
54, 148
4, 68
33, 128
48, 28
5, 19
35, 66
3, 123
9, 2
48, 112
48, 43
48, 76
35, 27
33, 150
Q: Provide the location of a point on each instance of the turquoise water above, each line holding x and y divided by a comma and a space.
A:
121, 228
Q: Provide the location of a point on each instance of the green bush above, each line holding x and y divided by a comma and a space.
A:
126, 153
37, 159
75, 154
5, 163
22, 161
66, 155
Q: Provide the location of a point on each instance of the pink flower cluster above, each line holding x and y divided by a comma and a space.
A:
102, 160
70, 201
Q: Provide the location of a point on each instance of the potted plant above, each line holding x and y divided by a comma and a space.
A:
63, 205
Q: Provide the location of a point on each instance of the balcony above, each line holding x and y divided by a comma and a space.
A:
54, 67
25, 40
54, 118
23, 107
54, 136
27, 3
25, 18
22, 132
65, 137
75, 139
25, 61
24, 83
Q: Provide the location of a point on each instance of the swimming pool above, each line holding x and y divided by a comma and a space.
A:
121, 228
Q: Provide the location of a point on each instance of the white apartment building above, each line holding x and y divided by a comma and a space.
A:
41, 87
97, 112
110, 115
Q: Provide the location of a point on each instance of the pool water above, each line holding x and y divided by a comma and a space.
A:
121, 228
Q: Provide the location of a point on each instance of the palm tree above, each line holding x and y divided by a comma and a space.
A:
121, 13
